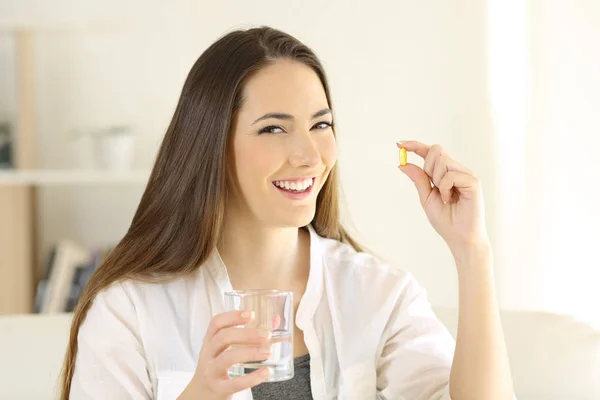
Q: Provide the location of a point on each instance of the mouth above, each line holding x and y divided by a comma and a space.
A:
295, 189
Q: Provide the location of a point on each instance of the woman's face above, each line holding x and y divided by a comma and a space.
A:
283, 144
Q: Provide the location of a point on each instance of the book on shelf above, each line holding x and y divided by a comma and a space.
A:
69, 268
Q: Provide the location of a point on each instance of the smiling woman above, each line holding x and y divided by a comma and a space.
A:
244, 196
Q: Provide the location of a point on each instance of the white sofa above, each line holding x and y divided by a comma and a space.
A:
552, 357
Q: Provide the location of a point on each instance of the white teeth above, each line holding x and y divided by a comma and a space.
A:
298, 186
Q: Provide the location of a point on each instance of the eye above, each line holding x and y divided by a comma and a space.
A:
323, 125
272, 129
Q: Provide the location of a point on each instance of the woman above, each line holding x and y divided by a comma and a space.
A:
244, 194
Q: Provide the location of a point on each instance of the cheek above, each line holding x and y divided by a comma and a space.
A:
328, 150
254, 160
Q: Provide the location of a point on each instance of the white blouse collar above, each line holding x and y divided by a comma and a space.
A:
314, 287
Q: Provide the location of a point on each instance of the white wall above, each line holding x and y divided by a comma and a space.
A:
567, 104
398, 70
545, 95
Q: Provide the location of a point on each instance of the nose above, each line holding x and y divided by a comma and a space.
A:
304, 151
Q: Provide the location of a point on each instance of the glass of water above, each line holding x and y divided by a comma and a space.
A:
273, 311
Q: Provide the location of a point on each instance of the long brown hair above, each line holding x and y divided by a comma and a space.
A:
179, 219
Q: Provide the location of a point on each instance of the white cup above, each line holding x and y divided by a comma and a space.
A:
115, 150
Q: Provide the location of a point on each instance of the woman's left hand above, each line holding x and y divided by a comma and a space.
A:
451, 196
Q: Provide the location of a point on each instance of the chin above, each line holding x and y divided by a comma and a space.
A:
294, 220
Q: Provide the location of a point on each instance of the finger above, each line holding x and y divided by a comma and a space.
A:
231, 336
420, 179
225, 320
464, 183
453, 165
230, 386
445, 164
241, 355
420, 149
424, 151
440, 169
435, 152
276, 321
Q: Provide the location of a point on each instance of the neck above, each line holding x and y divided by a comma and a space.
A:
262, 257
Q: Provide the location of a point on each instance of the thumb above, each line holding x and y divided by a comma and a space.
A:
420, 179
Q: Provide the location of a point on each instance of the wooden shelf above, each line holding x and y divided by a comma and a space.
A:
19, 225
71, 177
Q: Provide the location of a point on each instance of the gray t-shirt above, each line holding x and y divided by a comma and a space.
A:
297, 388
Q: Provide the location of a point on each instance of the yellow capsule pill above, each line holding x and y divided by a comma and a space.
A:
402, 156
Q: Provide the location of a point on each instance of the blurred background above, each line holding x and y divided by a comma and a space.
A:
510, 87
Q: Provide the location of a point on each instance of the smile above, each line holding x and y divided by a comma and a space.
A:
295, 188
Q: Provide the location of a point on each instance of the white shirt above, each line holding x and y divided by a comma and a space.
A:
369, 329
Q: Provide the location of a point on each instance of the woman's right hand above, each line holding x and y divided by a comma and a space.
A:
210, 381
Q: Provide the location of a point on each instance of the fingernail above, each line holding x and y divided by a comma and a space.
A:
400, 143
264, 334
264, 373
248, 315
265, 350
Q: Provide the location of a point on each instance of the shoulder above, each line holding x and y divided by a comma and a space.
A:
373, 292
349, 268
135, 301
110, 314
344, 259
132, 312
113, 298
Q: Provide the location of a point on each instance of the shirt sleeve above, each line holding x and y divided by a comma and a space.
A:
418, 351
110, 362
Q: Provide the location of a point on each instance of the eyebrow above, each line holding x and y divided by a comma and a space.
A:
284, 116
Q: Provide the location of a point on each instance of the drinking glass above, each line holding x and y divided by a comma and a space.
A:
273, 311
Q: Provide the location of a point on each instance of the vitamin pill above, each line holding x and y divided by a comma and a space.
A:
402, 156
